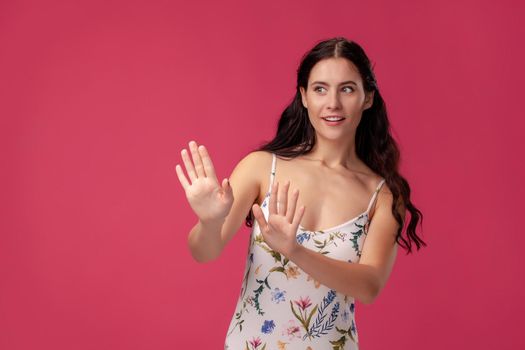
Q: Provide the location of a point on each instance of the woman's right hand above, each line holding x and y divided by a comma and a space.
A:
210, 200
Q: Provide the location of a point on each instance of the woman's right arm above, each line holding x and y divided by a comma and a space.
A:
221, 209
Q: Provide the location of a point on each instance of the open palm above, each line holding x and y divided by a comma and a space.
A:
209, 200
283, 219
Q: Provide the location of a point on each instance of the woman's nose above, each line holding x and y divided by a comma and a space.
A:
333, 100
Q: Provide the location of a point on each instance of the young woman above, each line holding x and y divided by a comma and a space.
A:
329, 206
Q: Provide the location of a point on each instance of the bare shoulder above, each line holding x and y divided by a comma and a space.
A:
245, 181
256, 157
255, 163
253, 169
385, 200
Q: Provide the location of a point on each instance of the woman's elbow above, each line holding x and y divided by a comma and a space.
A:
371, 294
201, 256
204, 259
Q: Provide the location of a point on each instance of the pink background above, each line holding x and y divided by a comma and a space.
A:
98, 98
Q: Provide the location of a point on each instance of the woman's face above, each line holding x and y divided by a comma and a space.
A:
335, 88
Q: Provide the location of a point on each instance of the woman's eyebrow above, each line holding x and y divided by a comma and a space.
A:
342, 83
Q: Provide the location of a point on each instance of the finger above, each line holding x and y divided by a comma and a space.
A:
199, 168
209, 170
189, 165
292, 203
227, 188
283, 198
272, 206
182, 178
259, 217
298, 217
225, 184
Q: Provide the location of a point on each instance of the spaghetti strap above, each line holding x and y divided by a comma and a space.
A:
374, 196
272, 173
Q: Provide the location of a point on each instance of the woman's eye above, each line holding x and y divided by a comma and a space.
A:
346, 88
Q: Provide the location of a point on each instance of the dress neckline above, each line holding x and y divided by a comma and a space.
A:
264, 205
337, 226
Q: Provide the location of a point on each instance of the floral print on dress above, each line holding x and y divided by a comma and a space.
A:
291, 330
278, 295
282, 307
268, 326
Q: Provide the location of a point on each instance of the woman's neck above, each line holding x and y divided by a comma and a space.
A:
334, 154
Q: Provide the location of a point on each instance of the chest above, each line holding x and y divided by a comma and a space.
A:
343, 243
330, 199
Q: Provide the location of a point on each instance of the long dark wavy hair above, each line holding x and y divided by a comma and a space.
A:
374, 144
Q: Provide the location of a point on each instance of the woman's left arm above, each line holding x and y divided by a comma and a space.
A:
363, 280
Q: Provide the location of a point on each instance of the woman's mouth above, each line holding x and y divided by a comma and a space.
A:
333, 120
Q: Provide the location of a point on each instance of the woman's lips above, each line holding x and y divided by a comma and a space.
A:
333, 122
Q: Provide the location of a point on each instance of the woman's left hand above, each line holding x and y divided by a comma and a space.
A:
280, 231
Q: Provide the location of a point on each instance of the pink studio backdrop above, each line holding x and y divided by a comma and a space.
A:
98, 98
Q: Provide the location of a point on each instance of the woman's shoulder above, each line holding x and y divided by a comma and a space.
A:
254, 169
255, 163
257, 158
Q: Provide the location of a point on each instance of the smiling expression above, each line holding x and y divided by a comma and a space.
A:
335, 97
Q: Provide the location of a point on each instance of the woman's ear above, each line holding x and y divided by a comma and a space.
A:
303, 97
369, 100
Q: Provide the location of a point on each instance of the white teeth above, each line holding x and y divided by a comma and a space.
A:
333, 119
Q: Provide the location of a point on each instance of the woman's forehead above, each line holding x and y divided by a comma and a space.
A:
334, 71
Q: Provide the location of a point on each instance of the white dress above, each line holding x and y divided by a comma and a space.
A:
282, 307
